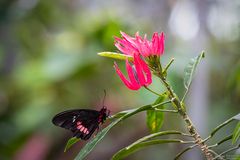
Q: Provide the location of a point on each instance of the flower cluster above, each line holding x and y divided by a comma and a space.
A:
130, 45
139, 72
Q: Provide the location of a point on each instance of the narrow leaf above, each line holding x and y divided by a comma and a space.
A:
190, 70
227, 151
183, 151
71, 142
155, 118
129, 150
122, 115
225, 139
90, 145
158, 134
236, 133
115, 55
215, 130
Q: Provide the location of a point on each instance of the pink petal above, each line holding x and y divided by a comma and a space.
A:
132, 41
127, 37
155, 43
139, 69
147, 71
125, 81
130, 45
140, 45
161, 43
131, 75
146, 48
122, 49
125, 46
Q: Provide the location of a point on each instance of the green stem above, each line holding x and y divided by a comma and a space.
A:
166, 110
184, 96
180, 106
168, 65
130, 112
153, 91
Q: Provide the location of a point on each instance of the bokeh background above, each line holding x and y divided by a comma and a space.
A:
49, 63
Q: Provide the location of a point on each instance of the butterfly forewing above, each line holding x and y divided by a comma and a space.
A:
82, 122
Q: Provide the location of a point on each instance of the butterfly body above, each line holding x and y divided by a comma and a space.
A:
82, 122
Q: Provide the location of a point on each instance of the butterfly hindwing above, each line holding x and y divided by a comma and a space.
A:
82, 122
85, 128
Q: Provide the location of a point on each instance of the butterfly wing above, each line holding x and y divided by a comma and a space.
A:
82, 122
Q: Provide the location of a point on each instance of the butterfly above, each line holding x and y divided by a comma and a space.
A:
82, 122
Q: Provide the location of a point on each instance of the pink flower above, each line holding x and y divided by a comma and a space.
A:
130, 45
139, 73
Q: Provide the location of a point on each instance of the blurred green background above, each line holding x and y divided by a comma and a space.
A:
48, 63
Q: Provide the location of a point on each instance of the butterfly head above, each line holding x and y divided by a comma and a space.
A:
103, 114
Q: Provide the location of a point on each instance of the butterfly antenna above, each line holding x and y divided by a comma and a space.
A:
105, 93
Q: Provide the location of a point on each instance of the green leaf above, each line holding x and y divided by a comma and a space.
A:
115, 55
122, 115
90, 145
215, 130
184, 151
129, 150
158, 134
227, 151
155, 118
236, 133
71, 142
190, 70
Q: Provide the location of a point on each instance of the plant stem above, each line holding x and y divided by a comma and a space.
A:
168, 65
152, 91
180, 106
166, 110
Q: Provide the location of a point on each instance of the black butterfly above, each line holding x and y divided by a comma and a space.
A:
82, 122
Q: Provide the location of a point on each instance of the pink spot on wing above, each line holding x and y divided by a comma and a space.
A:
79, 127
82, 129
85, 130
